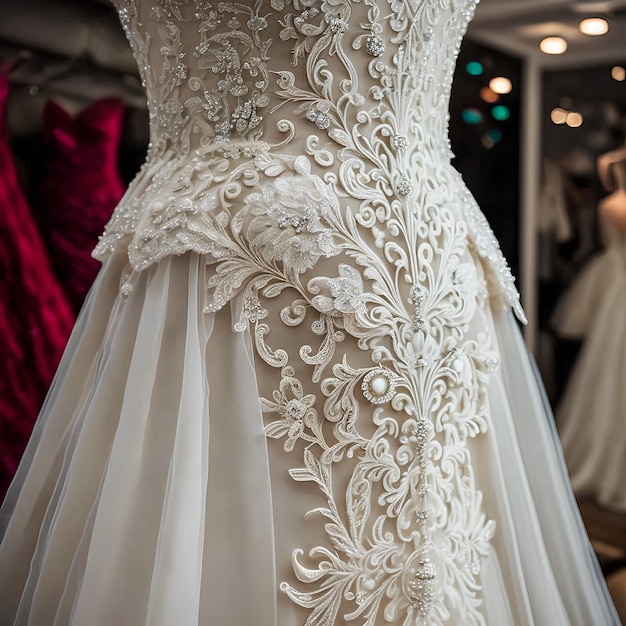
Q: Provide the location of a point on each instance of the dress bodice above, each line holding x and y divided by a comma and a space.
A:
241, 92
81, 188
231, 72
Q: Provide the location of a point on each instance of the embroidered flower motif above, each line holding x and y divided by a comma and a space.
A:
209, 19
302, 28
257, 23
245, 118
465, 281
346, 292
212, 106
288, 226
294, 408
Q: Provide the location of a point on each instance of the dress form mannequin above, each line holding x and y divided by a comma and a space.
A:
612, 172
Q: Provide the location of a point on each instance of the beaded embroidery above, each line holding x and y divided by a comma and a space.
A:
294, 135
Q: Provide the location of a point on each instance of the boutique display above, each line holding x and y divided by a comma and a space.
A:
296, 394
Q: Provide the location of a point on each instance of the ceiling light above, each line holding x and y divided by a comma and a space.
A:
495, 134
594, 26
553, 45
487, 142
574, 119
558, 115
501, 85
618, 73
488, 95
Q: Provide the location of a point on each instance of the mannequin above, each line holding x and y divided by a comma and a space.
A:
612, 173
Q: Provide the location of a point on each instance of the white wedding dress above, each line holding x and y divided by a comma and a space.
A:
296, 393
590, 416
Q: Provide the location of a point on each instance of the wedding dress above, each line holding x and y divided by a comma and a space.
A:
296, 393
590, 415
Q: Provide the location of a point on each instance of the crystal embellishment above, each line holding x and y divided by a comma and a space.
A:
404, 187
375, 45
421, 589
338, 26
491, 364
320, 118
399, 142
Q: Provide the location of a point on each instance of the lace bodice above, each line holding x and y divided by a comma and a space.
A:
237, 92
226, 72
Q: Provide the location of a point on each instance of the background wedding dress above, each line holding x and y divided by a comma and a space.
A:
590, 415
296, 393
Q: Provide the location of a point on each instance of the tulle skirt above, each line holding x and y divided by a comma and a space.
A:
591, 416
148, 494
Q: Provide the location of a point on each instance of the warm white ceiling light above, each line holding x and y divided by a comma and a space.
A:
553, 45
618, 73
558, 115
594, 26
574, 119
501, 85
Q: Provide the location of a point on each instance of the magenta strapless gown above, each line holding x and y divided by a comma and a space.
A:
81, 189
35, 316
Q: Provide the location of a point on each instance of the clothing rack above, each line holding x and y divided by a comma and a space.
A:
79, 78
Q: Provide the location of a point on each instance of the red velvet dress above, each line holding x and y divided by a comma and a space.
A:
81, 189
35, 316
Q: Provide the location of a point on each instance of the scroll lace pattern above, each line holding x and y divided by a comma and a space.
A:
374, 202
370, 86
407, 540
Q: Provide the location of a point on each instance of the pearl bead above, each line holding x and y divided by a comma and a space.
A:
379, 385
